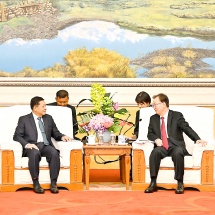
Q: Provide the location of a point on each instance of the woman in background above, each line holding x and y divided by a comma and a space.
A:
143, 100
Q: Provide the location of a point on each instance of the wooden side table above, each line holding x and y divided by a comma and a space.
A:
108, 149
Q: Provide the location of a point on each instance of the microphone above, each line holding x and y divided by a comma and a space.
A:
134, 125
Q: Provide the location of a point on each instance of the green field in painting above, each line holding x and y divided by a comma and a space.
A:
178, 17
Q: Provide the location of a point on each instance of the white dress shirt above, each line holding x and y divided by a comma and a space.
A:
39, 136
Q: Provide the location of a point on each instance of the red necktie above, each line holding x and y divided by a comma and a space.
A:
163, 134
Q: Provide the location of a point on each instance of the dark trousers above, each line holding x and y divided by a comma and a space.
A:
159, 153
52, 157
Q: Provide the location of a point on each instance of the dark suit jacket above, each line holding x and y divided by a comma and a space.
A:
176, 125
137, 119
26, 131
74, 118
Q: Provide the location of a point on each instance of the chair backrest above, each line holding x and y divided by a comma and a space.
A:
9, 118
200, 119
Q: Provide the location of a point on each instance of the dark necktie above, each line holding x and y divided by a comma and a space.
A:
163, 134
41, 126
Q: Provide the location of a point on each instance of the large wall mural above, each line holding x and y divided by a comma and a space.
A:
107, 38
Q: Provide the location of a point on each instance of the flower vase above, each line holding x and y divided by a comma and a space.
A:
106, 136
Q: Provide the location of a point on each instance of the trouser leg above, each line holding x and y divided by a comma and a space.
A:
177, 155
157, 154
34, 157
52, 157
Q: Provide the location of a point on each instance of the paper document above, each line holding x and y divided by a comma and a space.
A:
143, 141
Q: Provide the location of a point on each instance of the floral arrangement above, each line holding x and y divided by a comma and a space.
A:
105, 115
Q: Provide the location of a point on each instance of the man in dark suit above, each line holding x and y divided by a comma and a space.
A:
166, 129
62, 99
34, 132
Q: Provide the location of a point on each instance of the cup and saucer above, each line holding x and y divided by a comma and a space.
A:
122, 140
91, 140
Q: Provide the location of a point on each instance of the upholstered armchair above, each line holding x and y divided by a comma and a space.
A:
199, 167
14, 168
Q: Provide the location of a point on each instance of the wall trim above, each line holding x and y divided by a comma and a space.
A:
122, 82
198, 92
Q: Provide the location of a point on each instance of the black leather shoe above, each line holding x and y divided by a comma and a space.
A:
54, 189
180, 188
38, 189
152, 188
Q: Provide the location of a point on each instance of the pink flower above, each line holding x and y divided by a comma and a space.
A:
122, 123
100, 122
108, 124
115, 106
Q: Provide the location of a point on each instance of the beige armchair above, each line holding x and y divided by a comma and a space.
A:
14, 167
199, 168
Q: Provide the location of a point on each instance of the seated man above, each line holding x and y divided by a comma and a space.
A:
62, 99
166, 129
34, 132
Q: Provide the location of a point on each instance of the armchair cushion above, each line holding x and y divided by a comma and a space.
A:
189, 161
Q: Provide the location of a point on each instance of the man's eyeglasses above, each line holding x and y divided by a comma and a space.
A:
155, 105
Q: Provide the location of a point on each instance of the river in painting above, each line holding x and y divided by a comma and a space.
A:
42, 53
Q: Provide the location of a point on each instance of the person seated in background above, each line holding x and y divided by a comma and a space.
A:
62, 99
34, 132
143, 100
166, 129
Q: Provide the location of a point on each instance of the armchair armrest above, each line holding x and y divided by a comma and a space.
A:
198, 151
16, 147
147, 147
65, 149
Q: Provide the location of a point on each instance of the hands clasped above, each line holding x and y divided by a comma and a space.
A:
31, 146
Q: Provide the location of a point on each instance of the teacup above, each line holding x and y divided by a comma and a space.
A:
121, 139
91, 139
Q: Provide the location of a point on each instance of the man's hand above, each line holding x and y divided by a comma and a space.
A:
31, 146
66, 139
158, 142
203, 142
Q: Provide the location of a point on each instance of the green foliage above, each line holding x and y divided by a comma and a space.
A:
103, 104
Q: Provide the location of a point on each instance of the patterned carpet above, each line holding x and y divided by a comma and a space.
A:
107, 198
163, 202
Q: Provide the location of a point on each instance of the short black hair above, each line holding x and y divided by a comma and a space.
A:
62, 94
143, 97
35, 101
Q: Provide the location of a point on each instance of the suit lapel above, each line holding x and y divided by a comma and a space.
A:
31, 118
169, 120
158, 128
45, 122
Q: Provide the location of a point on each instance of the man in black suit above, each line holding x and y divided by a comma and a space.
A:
166, 129
62, 99
34, 132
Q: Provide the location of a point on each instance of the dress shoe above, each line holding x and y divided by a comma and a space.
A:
180, 188
152, 188
38, 189
54, 189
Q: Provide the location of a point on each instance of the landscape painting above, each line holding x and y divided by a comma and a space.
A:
107, 38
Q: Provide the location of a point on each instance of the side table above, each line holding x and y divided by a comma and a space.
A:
107, 149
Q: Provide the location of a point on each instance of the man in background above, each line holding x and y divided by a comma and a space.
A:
62, 99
